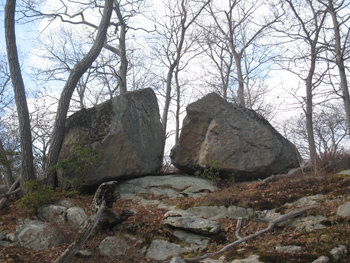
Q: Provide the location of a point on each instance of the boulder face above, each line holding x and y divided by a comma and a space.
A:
126, 130
240, 140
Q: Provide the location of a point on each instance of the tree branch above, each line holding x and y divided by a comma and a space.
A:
270, 226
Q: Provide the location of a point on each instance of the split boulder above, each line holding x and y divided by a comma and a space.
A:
126, 130
240, 140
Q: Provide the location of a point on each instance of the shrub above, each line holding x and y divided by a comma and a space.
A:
76, 165
37, 195
212, 172
334, 162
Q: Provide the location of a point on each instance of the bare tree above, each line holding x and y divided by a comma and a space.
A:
61, 51
305, 29
116, 36
27, 166
219, 68
182, 14
339, 45
240, 27
330, 129
62, 110
5, 80
76, 73
42, 116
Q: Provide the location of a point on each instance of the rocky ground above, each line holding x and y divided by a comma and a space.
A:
183, 216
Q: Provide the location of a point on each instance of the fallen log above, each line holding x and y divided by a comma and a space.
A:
270, 225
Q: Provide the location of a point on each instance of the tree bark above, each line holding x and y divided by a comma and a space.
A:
340, 61
122, 48
178, 106
311, 36
66, 95
4, 161
309, 111
27, 166
240, 91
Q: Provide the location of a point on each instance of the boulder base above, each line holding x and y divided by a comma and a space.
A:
126, 130
244, 144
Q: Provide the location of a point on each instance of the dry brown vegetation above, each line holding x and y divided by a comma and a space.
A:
147, 224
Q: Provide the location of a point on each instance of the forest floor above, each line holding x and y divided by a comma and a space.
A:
148, 223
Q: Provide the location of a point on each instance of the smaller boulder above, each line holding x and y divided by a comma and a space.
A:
339, 253
37, 235
196, 241
113, 246
76, 216
289, 249
344, 209
177, 260
250, 259
161, 250
51, 213
184, 220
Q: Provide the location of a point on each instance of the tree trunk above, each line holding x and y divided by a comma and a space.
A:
178, 100
122, 46
240, 91
167, 97
340, 62
4, 161
66, 95
27, 167
309, 111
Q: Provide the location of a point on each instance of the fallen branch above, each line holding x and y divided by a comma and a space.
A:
239, 226
273, 178
12, 188
271, 225
8, 194
103, 200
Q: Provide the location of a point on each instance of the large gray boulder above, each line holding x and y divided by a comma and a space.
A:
126, 129
239, 139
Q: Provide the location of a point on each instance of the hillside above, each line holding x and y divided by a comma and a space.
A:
147, 224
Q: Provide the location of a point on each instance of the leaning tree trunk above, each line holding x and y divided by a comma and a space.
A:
340, 63
66, 95
27, 167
